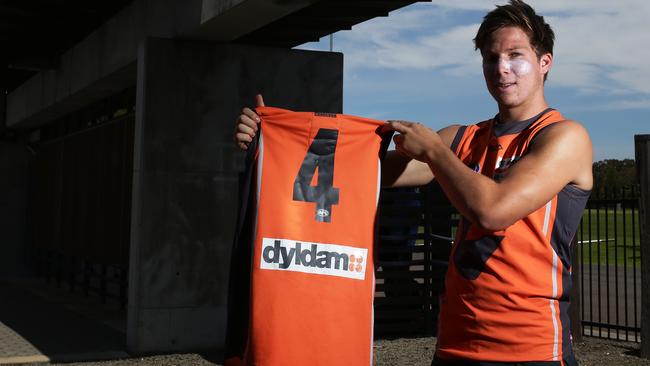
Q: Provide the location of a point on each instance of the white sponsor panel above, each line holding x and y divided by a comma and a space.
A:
316, 258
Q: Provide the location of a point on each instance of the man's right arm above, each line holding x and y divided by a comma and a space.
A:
401, 171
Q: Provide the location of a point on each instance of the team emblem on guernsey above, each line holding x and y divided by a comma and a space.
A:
314, 258
502, 165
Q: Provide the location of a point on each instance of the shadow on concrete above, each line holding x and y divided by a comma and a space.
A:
632, 351
214, 357
39, 320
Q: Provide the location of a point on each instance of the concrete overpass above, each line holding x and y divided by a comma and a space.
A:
115, 132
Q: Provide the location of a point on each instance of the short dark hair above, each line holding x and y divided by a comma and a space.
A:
521, 15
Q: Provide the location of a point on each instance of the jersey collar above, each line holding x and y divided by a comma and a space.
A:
502, 129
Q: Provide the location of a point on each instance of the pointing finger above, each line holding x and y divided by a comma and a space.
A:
387, 127
398, 126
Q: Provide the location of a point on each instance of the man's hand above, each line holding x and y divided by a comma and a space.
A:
415, 140
399, 168
246, 125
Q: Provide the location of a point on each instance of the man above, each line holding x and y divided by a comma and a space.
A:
520, 181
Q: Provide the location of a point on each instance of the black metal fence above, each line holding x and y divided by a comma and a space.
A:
610, 273
81, 205
415, 241
415, 228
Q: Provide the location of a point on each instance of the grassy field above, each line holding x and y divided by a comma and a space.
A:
610, 237
606, 237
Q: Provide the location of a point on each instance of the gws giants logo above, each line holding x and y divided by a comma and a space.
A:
503, 164
315, 258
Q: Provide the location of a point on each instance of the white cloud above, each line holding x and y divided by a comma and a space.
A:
604, 50
387, 50
464, 4
601, 46
625, 105
548, 6
407, 40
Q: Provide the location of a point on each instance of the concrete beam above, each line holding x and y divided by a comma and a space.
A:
104, 62
239, 17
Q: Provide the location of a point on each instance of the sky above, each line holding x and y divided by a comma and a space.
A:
419, 64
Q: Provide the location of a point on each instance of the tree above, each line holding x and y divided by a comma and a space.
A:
612, 176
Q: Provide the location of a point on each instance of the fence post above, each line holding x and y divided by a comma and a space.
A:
576, 291
438, 211
642, 156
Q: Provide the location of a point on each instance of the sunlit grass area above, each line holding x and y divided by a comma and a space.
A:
610, 236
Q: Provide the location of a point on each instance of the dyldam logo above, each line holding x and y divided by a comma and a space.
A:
315, 258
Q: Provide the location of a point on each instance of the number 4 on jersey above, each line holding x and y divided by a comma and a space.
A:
319, 156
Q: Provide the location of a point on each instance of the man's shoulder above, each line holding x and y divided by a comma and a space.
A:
567, 141
563, 138
566, 128
455, 128
448, 134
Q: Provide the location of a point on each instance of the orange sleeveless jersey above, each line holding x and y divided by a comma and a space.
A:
507, 293
312, 281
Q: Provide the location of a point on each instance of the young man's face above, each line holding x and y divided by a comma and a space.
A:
513, 73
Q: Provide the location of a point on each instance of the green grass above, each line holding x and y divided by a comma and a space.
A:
609, 237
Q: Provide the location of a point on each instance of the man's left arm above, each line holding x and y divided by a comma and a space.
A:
561, 154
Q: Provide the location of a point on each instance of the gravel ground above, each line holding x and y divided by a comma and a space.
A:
590, 352
413, 352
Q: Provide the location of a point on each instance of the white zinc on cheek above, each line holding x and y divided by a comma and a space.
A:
518, 67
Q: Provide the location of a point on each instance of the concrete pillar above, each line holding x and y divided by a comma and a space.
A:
15, 250
185, 177
642, 156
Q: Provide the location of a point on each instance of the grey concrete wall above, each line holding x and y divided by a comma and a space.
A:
104, 62
15, 163
185, 177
